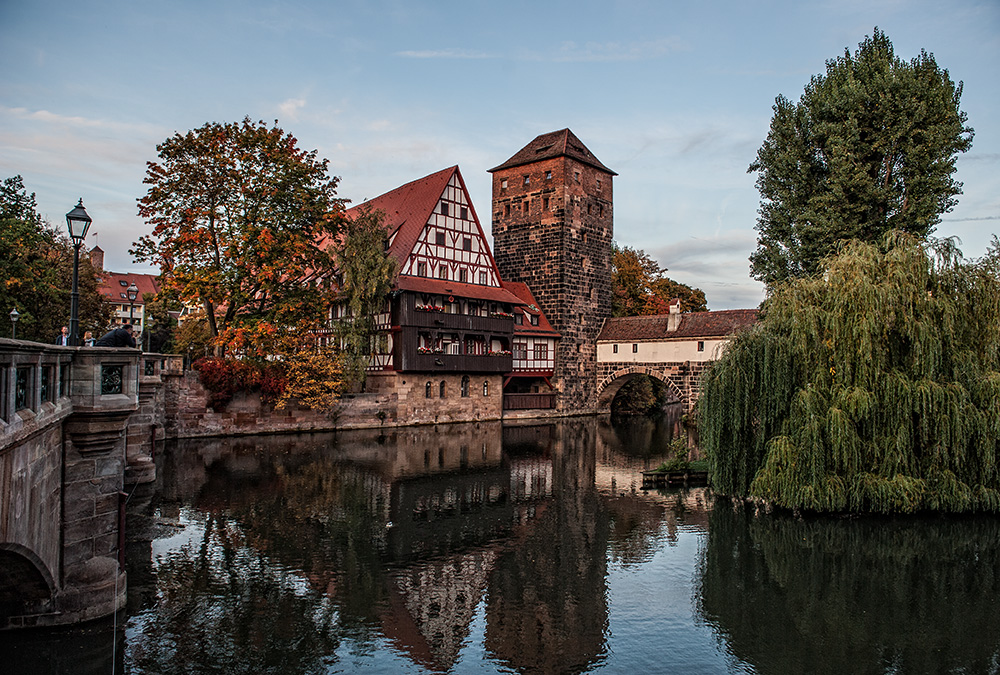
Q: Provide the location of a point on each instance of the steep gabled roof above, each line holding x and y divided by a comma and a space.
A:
407, 209
114, 285
562, 143
544, 328
693, 325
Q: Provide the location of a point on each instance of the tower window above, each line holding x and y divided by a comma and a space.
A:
701, 345
548, 175
635, 349
614, 349
598, 184
524, 207
506, 210
503, 184
527, 180
545, 203
576, 176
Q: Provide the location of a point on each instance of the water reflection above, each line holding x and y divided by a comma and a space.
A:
515, 549
859, 595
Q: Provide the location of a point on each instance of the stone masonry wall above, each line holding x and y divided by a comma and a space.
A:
555, 235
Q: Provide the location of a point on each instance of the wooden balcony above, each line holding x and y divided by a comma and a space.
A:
464, 323
453, 363
529, 401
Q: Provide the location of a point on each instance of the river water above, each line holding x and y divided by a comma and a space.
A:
516, 549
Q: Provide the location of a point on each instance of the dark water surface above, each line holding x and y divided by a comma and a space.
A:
516, 549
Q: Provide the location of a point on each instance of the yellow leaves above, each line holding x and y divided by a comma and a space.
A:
314, 378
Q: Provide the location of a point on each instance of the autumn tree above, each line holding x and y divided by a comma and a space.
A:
870, 147
365, 274
237, 212
871, 388
36, 270
640, 286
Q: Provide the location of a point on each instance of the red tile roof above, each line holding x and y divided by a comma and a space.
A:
693, 325
544, 328
407, 210
113, 285
562, 143
447, 288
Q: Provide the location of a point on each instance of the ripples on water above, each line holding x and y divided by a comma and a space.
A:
530, 549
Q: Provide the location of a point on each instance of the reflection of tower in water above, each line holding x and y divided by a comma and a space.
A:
547, 609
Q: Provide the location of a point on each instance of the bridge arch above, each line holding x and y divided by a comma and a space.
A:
26, 583
609, 386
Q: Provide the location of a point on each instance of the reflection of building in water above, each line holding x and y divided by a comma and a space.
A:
433, 603
546, 605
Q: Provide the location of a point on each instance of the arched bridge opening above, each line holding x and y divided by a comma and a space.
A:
26, 586
611, 384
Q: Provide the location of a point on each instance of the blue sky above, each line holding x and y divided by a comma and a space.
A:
675, 97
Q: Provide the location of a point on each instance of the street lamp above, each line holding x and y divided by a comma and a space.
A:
14, 316
78, 223
133, 293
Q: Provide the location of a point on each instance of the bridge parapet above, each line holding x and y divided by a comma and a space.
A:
63, 417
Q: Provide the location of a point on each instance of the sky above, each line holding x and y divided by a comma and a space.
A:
674, 97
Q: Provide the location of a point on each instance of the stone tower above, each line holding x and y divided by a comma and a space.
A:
552, 229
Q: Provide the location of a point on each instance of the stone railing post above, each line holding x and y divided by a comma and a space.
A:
104, 386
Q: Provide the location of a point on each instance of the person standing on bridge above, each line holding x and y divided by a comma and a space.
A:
63, 337
119, 337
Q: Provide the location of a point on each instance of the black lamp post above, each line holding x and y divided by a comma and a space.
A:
133, 292
78, 223
14, 316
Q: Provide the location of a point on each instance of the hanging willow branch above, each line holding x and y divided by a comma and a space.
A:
873, 388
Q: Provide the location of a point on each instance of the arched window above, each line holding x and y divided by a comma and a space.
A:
428, 390
441, 389
465, 386
486, 387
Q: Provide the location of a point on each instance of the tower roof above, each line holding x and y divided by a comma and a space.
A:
562, 143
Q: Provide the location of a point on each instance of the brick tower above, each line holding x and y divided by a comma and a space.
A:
552, 229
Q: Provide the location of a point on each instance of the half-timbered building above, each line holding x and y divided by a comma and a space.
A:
445, 342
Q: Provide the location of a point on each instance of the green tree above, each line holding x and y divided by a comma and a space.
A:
365, 274
36, 269
871, 388
640, 287
239, 213
869, 148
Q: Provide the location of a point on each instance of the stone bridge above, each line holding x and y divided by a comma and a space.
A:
683, 379
77, 427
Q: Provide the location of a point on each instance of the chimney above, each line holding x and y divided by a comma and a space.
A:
674, 318
97, 259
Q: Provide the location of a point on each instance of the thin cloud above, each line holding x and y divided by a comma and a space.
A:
570, 52
451, 53
289, 108
968, 220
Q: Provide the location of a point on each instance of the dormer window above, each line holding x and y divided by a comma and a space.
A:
534, 319
123, 282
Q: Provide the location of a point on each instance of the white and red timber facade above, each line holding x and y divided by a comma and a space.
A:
468, 336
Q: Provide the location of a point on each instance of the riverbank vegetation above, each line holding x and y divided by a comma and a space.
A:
872, 388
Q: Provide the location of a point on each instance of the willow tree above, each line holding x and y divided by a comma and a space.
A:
872, 388
869, 148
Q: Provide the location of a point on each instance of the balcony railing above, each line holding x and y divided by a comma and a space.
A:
457, 322
454, 363
529, 401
